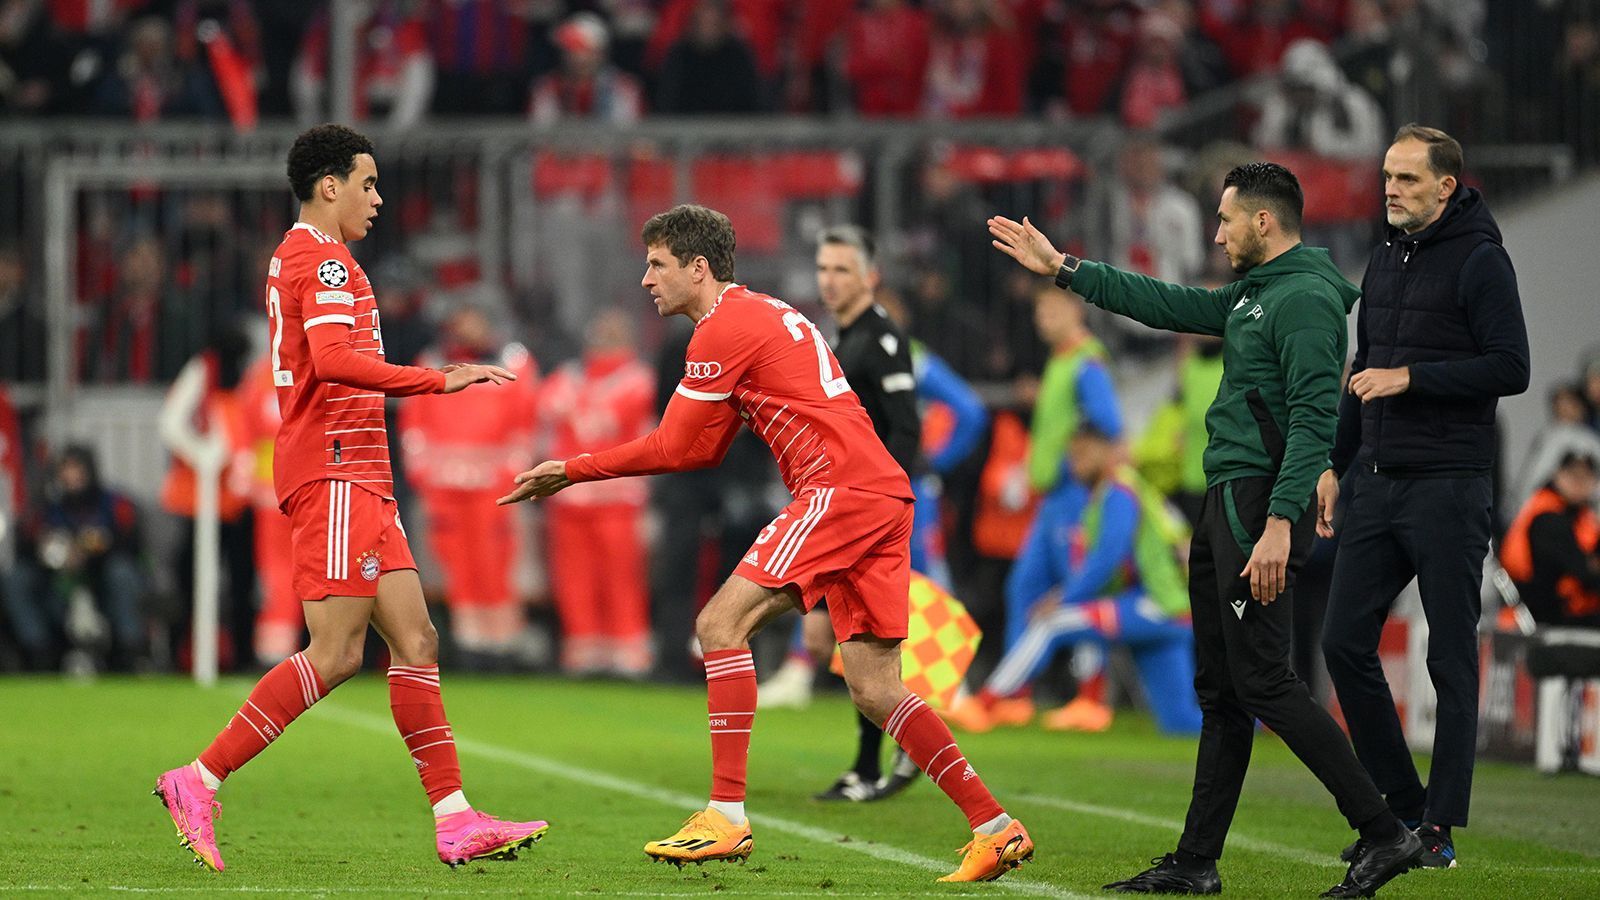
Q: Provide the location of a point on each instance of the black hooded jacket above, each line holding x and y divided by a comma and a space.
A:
1444, 303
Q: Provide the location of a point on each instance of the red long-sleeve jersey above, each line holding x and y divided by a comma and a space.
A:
327, 364
754, 358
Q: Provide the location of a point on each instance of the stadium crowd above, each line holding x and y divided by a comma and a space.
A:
164, 283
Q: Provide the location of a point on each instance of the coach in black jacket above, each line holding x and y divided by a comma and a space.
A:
1439, 339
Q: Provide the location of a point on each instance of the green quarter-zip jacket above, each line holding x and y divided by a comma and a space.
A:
1283, 349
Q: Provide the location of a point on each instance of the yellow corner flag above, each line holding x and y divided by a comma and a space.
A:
941, 640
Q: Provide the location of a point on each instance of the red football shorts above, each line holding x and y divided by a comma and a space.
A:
343, 537
851, 547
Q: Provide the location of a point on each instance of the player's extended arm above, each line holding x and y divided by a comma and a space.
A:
335, 360
693, 434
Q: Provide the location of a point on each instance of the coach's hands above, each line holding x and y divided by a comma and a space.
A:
1371, 384
459, 377
1327, 500
540, 481
1269, 562
1025, 244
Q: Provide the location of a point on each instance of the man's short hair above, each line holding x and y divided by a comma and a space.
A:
1269, 186
851, 236
1574, 458
324, 150
1444, 151
688, 231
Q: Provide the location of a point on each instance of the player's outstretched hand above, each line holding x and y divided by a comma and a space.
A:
1025, 244
459, 377
540, 481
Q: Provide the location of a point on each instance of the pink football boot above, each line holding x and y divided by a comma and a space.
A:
469, 835
193, 809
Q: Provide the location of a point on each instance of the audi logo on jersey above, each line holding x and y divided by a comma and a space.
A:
699, 371
333, 273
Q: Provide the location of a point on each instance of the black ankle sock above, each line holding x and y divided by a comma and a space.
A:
1192, 860
1382, 827
869, 750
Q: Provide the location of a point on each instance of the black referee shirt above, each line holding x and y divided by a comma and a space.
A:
876, 358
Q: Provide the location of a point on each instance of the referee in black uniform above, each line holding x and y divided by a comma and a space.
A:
875, 356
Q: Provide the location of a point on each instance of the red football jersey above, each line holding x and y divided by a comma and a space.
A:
770, 363
327, 364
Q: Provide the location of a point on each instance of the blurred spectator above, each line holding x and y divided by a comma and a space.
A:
22, 327
1153, 227
1075, 388
587, 86
460, 454
36, 62
394, 70
147, 81
1169, 454
201, 425
816, 76
596, 547
1153, 83
1365, 48
761, 25
74, 597
1312, 107
1567, 432
886, 58
485, 53
280, 620
1253, 36
1097, 40
711, 69
140, 336
1578, 85
224, 38
973, 64
1552, 549
1199, 58
956, 329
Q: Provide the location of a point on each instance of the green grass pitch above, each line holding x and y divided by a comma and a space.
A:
334, 808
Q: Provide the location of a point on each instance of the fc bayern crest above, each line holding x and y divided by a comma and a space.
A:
369, 565
333, 273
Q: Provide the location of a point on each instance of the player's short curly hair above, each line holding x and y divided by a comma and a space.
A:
689, 231
1269, 186
324, 150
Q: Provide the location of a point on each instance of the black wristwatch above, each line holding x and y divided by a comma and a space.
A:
1069, 268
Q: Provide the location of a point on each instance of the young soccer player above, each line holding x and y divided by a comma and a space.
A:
353, 566
754, 360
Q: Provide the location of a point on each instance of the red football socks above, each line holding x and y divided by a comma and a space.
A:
278, 698
419, 714
731, 702
929, 743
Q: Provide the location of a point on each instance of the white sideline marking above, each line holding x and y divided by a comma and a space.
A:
431, 891
602, 780
1235, 839
1245, 842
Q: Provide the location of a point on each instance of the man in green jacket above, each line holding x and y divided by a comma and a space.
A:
1271, 426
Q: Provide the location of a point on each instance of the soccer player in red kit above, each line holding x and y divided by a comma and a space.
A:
352, 566
754, 360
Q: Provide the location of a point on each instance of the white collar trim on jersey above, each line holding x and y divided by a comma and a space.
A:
720, 294
313, 229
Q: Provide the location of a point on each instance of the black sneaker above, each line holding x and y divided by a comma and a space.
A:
850, 787
902, 774
1350, 853
1169, 876
1376, 863
1438, 851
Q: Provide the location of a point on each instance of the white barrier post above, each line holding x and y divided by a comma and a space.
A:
207, 568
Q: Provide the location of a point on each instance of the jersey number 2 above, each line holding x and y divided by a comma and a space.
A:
831, 386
